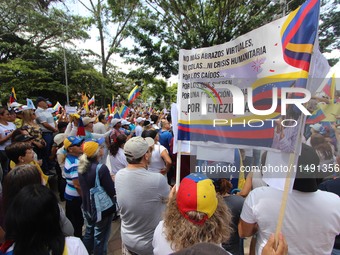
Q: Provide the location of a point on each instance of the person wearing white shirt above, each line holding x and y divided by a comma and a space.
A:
116, 159
139, 126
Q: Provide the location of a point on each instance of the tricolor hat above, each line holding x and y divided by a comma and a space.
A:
90, 146
197, 193
72, 140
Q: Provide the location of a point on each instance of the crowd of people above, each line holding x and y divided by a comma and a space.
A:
133, 159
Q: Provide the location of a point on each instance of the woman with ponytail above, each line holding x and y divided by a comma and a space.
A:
116, 159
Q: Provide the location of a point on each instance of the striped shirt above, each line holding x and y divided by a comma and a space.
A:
71, 173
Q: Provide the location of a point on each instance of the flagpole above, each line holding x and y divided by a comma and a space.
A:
65, 67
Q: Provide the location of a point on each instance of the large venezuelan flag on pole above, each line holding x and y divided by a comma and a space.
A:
219, 82
135, 92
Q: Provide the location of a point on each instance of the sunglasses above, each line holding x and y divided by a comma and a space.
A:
76, 145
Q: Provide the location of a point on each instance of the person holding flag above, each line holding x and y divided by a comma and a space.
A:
45, 120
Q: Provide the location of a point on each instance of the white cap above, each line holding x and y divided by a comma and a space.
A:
88, 120
140, 119
136, 147
125, 122
59, 138
114, 122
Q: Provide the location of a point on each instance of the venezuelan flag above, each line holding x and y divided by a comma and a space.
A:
317, 116
57, 107
298, 34
91, 101
135, 92
124, 111
329, 88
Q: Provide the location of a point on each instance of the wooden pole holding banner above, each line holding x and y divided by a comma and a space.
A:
178, 164
292, 159
284, 198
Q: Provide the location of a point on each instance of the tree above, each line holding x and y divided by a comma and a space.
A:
329, 30
30, 33
111, 21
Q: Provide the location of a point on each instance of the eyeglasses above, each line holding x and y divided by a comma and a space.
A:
76, 145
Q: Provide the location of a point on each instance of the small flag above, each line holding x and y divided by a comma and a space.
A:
13, 96
57, 107
329, 88
116, 115
317, 116
91, 101
81, 128
124, 111
30, 104
135, 92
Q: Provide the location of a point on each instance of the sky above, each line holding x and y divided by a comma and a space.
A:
76, 8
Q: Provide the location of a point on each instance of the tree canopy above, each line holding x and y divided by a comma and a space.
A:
35, 36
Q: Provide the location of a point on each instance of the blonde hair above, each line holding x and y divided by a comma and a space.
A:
26, 117
83, 164
181, 233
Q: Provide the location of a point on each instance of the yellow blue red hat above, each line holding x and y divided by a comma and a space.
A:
196, 193
72, 140
90, 146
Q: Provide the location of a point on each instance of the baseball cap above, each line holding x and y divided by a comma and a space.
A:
147, 123
59, 138
90, 146
140, 119
136, 147
39, 99
196, 193
72, 140
23, 138
88, 120
114, 122
125, 122
317, 127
